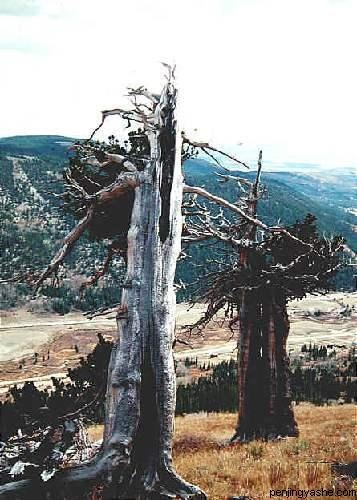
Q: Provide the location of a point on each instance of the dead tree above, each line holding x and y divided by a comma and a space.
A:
135, 458
254, 290
262, 356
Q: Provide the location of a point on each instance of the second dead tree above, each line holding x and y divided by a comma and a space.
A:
264, 398
266, 272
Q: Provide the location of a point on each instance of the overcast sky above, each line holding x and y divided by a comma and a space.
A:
277, 74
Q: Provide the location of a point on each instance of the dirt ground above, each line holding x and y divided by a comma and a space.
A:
323, 320
60, 341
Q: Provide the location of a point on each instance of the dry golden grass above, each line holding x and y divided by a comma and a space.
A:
326, 434
253, 469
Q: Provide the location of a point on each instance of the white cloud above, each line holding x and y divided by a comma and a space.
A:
19, 7
263, 72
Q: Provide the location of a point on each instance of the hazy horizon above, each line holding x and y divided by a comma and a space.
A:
246, 154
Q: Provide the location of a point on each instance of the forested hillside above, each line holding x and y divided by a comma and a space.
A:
37, 145
33, 223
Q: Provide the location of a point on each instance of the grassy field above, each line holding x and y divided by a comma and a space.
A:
327, 434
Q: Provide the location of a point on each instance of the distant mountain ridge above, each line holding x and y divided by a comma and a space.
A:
36, 145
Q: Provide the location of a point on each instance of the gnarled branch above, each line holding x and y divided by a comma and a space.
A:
256, 222
124, 182
206, 146
67, 246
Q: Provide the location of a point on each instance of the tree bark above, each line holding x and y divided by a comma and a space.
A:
143, 381
264, 399
135, 460
249, 342
278, 413
249, 368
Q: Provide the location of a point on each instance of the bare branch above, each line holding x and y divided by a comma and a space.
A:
195, 238
115, 248
142, 91
96, 129
239, 180
212, 310
124, 182
102, 311
100, 272
257, 178
74, 185
130, 115
181, 341
214, 159
205, 145
239, 243
67, 246
222, 202
85, 407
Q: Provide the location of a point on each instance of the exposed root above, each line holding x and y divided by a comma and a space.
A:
160, 485
264, 435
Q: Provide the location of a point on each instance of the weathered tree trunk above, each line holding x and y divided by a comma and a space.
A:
249, 367
142, 391
278, 416
135, 460
249, 342
264, 399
